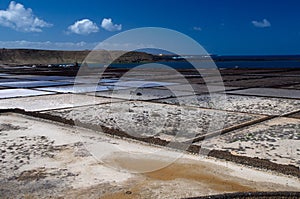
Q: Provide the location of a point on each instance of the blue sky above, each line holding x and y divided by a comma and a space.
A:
232, 27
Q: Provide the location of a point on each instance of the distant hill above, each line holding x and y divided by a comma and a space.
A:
45, 57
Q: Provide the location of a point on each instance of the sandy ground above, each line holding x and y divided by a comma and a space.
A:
164, 121
239, 103
277, 140
42, 159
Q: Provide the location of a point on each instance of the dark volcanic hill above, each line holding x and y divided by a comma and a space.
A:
45, 57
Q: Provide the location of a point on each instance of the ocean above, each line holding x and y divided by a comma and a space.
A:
223, 64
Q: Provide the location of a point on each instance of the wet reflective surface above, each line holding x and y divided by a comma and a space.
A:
10, 93
32, 84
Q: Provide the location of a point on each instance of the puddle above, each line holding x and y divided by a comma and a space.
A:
92, 80
10, 93
3, 80
40, 78
80, 88
198, 88
4, 74
42, 103
49, 78
108, 80
141, 84
32, 84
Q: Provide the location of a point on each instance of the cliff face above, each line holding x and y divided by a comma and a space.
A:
45, 57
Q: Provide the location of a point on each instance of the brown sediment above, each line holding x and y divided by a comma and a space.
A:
192, 170
191, 173
198, 174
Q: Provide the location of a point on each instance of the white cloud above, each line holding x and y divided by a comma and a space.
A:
17, 17
108, 25
48, 45
262, 24
83, 27
197, 28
